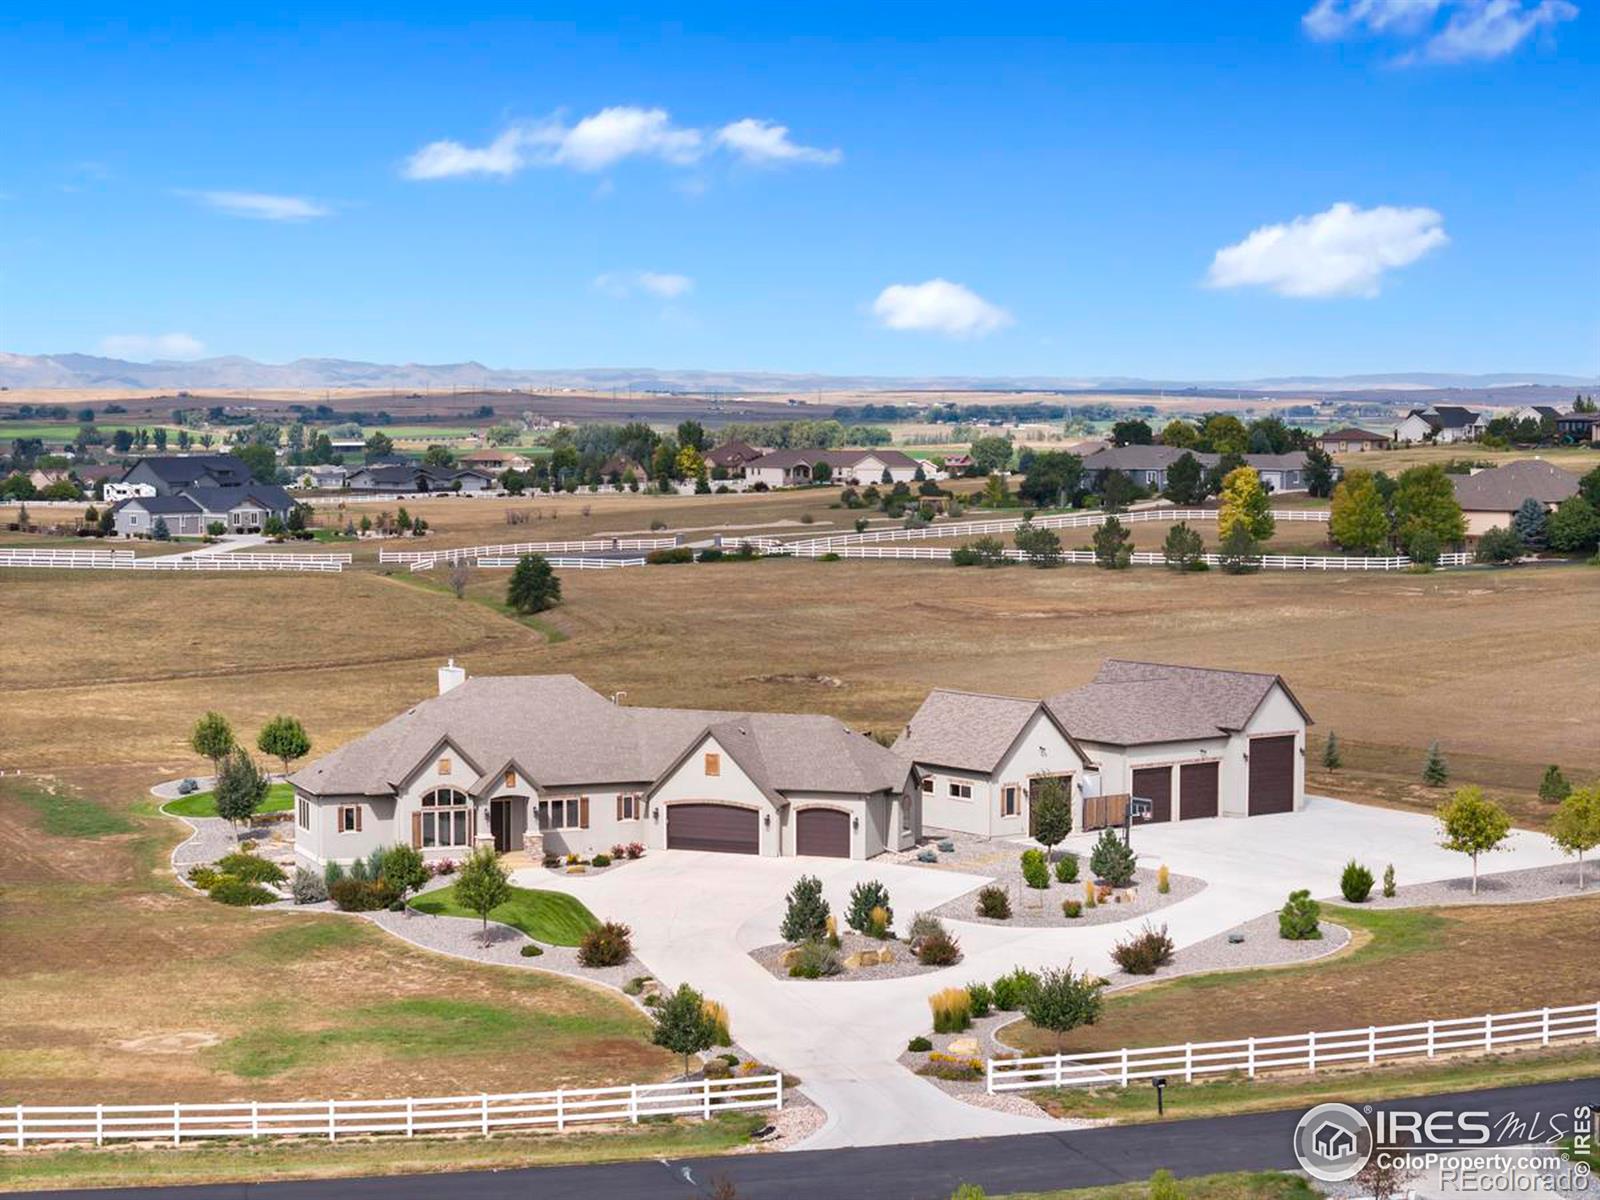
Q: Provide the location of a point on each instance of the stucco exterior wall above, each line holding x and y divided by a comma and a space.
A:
322, 842
689, 783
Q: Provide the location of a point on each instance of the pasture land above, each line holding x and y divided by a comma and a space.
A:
246, 1003
1578, 459
113, 668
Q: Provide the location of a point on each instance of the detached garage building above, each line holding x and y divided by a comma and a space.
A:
1192, 741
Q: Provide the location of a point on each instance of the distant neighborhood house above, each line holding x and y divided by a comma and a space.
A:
1491, 497
191, 492
797, 468
1442, 423
415, 477
1147, 466
1350, 440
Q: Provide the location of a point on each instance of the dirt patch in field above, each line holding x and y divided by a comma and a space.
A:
188, 1041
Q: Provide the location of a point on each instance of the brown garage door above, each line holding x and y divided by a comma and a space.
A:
824, 831
1197, 790
1271, 775
1155, 785
720, 827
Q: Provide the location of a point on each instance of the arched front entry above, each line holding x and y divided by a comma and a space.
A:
725, 828
824, 832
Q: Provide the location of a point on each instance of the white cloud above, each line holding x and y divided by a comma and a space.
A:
262, 206
938, 306
766, 143
143, 347
1341, 252
1472, 29
665, 286
606, 138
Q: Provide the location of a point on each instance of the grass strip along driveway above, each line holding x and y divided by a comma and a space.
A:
553, 918
279, 798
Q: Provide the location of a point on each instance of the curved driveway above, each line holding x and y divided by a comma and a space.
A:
696, 916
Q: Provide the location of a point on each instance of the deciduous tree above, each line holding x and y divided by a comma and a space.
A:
1358, 519
683, 1024
212, 737
284, 738
482, 885
1424, 498
1062, 1001
1052, 813
1576, 824
240, 788
1472, 825
1244, 503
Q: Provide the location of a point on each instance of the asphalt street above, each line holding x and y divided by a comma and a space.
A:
921, 1171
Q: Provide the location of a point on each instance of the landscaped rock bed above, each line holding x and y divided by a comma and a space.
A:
1034, 907
964, 1080
901, 961
1507, 887
1261, 947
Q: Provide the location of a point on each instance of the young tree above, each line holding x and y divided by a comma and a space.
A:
1473, 824
1052, 814
1186, 480
534, 586
1116, 490
1435, 771
1054, 478
1112, 860
995, 494
1332, 760
212, 737
1042, 546
1574, 527
379, 445
1062, 1001
1358, 519
1424, 498
1576, 824
1113, 545
1184, 549
806, 917
1244, 503
1240, 553
240, 788
1319, 472
1554, 788
284, 738
482, 885
404, 869
460, 575
1529, 523
683, 1024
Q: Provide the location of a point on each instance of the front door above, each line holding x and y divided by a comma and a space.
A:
500, 825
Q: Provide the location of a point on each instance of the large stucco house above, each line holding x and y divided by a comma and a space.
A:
1490, 498
797, 468
1192, 741
189, 493
545, 764
1147, 466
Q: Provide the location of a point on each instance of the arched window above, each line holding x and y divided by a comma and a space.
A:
444, 818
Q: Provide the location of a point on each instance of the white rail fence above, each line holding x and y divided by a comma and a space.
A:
517, 549
1302, 1051
566, 564
124, 560
103, 559
1140, 558
331, 1119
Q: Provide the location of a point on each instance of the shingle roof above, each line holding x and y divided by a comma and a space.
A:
1351, 434
160, 505
1135, 703
179, 469
834, 458
731, 454
221, 499
1503, 489
561, 733
968, 731
1141, 458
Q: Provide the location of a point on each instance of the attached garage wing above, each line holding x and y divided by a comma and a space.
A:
1271, 775
1155, 785
723, 828
822, 831
1197, 791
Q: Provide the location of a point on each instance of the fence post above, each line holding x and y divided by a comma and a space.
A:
780, 1090
1250, 1061
705, 1087
1311, 1052
331, 1122
1545, 1041
21, 1136
988, 1075
485, 1102
411, 1116
99, 1124
1124, 1065
1430, 1037
1188, 1062
177, 1124
561, 1110
1372, 1045
255, 1118
633, 1103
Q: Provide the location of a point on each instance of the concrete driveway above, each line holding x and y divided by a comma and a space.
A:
696, 916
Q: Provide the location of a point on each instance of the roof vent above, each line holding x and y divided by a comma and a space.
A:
451, 676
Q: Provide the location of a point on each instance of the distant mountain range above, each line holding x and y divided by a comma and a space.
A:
232, 372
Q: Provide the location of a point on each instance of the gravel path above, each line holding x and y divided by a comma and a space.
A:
460, 938
1507, 887
905, 963
1033, 908
1262, 947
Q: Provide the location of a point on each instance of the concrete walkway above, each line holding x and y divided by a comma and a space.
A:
696, 916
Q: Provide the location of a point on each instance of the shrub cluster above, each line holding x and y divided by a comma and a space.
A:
677, 554
1355, 883
994, 903
250, 867
1071, 909
939, 949
1011, 991
1035, 869
240, 892
609, 945
1298, 918
982, 997
919, 1045
1144, 951
238, 879
1067, 868
863, 915
1111, 860
814, 960
308, 887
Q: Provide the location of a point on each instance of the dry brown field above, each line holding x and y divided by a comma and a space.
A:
1578, 459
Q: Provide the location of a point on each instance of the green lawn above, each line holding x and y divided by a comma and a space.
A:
280, 798
550, 917
1244, 1185
67, 814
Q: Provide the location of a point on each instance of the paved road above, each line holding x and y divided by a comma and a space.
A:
927, 1171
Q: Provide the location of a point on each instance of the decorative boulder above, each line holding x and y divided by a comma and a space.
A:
963, 1047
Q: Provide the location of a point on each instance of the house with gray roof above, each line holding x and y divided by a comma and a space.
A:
797, 468
1147, 466
981, 759
543, 763
172, 474
1490, 498
191, 512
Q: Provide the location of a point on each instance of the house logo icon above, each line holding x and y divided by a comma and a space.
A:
1332, 1142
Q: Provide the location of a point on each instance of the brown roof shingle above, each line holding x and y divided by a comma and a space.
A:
1132, 703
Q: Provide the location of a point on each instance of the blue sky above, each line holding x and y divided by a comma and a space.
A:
1186, 190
